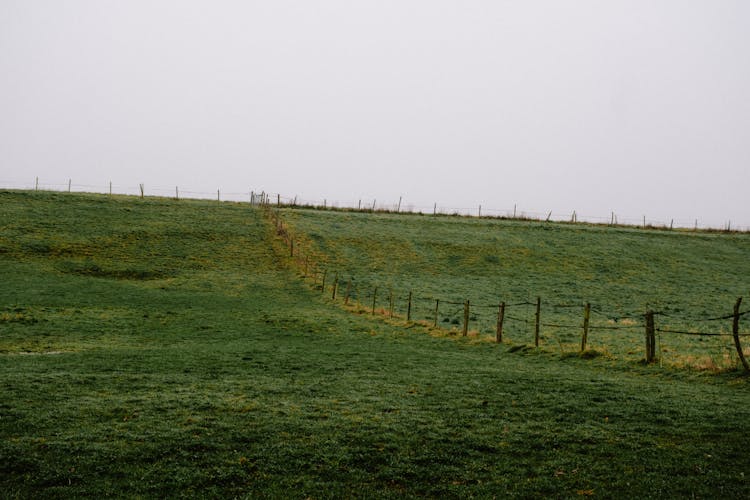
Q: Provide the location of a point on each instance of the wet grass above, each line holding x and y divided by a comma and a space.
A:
188, 359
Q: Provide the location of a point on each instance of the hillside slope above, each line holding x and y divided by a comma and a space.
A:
688, 277
158, 348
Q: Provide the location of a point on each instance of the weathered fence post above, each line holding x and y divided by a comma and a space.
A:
291, 246
586, 318
69, 183
374, 298
110, 188
36, 184
536, 322
390, 306
335, 284
408, 308
141, 186
348, 290
278, 200
500, 317
218, 195
736, 333
466, 318
437, 306
323, 283
650, 337
176, 193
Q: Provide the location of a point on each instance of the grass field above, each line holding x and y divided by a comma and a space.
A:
155, 348
688, 277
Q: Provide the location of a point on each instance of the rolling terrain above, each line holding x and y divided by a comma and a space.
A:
160, 348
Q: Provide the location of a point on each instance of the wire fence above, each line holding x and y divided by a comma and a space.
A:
569, 327
366, 205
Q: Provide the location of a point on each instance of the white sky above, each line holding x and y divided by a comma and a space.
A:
640, 107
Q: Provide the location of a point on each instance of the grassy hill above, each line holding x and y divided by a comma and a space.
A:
158, 348
688, 277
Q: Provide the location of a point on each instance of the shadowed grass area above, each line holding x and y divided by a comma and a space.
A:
215, 372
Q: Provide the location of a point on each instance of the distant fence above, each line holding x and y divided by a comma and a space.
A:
527, 317
258, 197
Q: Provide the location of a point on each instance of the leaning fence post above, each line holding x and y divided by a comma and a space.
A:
323, 283
408, 308
437, 306
650, 338
466, 318
536, 322
736, 334
586, 318
500, 317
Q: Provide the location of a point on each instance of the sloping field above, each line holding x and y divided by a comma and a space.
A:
155, 348
688, 278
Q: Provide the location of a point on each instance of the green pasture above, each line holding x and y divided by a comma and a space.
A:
689, 278
152, 348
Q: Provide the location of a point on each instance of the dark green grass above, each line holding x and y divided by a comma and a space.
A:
213, 371
687, 276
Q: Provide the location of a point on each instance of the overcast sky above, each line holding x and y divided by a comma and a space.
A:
637, 107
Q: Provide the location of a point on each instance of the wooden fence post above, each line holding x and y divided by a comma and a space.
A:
390, 306
291, 246
218, 195
650, 337
69, 183
141, 186
278, 200
348, 290
586, 318
536, 323
736, 334
36, 184
176, 193
437, 306
374, 297
335, 284
408, 308
323, 283
466, 318
110, 188
500, 317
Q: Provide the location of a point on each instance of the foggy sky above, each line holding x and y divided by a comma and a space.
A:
636, 107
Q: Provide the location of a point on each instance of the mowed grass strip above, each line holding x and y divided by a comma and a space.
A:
214, 372
687, 277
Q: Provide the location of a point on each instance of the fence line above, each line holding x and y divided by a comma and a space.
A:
645, 320
362, 205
